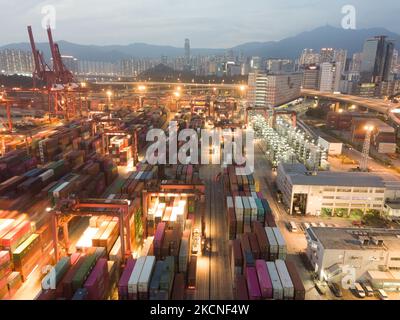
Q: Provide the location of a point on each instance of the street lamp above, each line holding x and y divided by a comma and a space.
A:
177, 94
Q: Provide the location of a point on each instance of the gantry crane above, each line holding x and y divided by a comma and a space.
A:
68, 208
60, 87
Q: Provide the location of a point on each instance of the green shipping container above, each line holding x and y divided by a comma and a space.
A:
61, 268
83, 272
25, 247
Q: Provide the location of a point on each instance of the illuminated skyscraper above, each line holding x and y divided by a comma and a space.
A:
377, 60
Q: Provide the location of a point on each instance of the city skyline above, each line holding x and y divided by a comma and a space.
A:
126, 22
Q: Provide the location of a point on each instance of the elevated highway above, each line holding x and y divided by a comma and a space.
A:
379, 105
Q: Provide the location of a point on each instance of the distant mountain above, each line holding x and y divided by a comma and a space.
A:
331, 37
326, 36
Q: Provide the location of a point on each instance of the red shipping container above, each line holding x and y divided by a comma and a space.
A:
123, 282
98, 281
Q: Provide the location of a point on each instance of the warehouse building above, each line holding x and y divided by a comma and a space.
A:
333, 145
329, 192
371, 255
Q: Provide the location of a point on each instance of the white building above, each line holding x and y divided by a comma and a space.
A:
372, 255
333, 145
329, 192
330, 75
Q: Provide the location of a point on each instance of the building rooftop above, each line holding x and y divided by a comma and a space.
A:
328, 138
299, 175
353, 238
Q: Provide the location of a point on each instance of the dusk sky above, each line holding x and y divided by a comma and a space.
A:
208, 23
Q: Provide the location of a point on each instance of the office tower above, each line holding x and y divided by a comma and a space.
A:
255, 63
356, 62
271, 90
311, 77
187, 53
340, 56
330, 75
279, 65
377, 60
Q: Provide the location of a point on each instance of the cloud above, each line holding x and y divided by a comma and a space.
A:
208, 23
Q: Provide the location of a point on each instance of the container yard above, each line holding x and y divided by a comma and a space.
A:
84, 216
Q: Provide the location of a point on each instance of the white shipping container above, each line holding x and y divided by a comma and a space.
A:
286, 281
46, 175
144, 280
115, 253
273, 244
229, 202
246, 205
56, 193
276, 282
239, 208
134, 278
254, 209
282, 248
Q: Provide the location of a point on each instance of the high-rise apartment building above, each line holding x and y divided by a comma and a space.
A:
16, 62
309, 57
327, 55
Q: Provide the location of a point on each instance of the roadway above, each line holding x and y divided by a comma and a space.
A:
379, 105
213, 276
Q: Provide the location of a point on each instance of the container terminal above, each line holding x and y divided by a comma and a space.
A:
85, 216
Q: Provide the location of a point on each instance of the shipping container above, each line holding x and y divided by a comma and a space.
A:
241, 291
264, 280
252, 284
273, 244
276, 282
287, 284
123, 282
134, 279
299, 290
145, 277
282, 248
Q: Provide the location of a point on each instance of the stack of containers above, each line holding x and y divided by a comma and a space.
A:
252, 284
123, 293
264, 280
167, 277
241, 291
262, 239
134, 279
282, 248
158, 239
239, 210
273, 244
276, 282
299, 290
287, 284
248, 258
236, 259
184, 254
154, 289
178, 291
255, 248
145, 277
98, 281
5, 272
